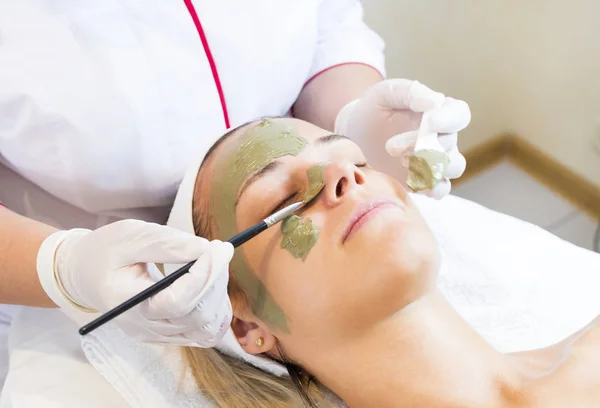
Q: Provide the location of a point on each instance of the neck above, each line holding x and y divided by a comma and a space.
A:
425, 355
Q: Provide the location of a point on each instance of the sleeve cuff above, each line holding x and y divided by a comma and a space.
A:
46, 269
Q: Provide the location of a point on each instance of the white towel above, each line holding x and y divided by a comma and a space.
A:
516, 284
145, 375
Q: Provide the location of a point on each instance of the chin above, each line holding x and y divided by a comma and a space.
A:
412, 255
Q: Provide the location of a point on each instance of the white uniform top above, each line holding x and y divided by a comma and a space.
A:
103, 103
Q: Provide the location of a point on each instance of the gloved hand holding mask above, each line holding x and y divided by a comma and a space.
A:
394, 110
83, 270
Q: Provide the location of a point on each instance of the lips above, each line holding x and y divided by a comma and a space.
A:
364, 212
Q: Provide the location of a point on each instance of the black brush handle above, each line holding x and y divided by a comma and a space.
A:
165, 282
247, 234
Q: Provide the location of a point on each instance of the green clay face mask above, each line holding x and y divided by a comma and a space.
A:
426, 169
299, 234
315, 183
260, 145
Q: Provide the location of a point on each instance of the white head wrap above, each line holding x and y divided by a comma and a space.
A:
181, 217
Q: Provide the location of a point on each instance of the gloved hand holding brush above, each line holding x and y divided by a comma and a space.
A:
90, 271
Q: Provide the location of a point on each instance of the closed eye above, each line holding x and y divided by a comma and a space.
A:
287, 201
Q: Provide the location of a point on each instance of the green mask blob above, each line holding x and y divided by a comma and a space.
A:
299, 234
260, 145
426, 169
315, 183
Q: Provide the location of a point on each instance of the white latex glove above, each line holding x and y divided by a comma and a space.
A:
87, 270
390, 113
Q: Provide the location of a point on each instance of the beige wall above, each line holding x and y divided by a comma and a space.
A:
532, 67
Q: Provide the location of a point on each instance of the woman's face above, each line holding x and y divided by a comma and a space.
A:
359, 252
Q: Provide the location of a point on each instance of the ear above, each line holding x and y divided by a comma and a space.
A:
253, 336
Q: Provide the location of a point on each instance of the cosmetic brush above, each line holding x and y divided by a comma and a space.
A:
236, 241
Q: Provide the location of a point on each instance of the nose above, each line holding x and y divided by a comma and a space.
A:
340, 180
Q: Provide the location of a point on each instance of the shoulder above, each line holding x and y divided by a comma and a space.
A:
575, 379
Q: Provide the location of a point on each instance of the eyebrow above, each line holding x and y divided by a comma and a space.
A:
331, 138
275, 164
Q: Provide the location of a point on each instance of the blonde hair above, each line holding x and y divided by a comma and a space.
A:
232, 383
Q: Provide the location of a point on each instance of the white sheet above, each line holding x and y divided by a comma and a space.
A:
518, 285
48, 368
6, 313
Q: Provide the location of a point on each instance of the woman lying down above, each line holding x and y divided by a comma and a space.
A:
344, 295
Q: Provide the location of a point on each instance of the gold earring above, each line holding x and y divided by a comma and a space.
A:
260, 341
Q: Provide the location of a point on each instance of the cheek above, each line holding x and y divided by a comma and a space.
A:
299, 284
307, 290
326, 292
323, 296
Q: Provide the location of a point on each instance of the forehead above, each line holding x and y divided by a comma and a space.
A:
236, 140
